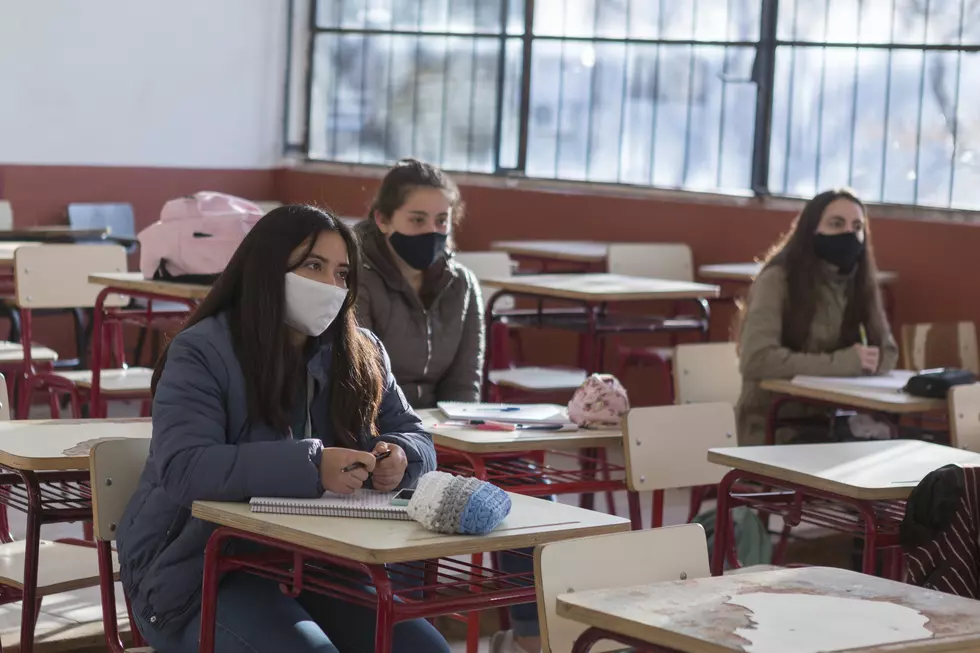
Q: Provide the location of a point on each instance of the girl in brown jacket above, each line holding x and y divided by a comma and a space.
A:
424, 306
808, 307
427, 309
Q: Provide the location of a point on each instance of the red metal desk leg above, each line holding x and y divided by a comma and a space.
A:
722, 525
31, 601
209, 590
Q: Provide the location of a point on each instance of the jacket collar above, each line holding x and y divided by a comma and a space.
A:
320, 358
377, 256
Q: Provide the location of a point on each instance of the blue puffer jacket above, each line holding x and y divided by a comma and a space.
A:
204, 448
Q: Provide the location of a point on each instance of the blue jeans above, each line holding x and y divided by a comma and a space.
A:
255, 617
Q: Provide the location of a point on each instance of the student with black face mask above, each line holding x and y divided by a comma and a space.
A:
426, 308
815, 309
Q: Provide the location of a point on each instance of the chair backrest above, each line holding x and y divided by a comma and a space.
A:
667, 446
6, 216
610, 561
655, 260
964, 417
116, 467
489, 265
56, 276
117, 217
707, 372
4, 402
942, 344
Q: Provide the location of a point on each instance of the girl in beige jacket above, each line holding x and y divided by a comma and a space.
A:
808, 307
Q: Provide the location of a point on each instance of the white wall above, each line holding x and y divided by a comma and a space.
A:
182, 83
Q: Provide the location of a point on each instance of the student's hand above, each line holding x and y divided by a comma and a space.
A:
388, 473
870, 358
334, 459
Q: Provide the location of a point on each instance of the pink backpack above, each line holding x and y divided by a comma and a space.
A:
195, 237
600, 401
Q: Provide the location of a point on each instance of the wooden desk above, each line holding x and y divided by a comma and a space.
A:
818, 609
51, 456
53, 234
572, 251
379, 541
475, 441
365, 545
133, 282
601, 287
747, 272
857, 488
893, 403
61, 445
7, 249
874, 470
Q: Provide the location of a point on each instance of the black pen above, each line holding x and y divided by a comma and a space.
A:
377, 457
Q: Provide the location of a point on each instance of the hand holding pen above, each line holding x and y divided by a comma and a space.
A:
344, 470
869, 356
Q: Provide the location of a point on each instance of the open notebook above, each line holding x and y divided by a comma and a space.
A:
365, 504
892, 382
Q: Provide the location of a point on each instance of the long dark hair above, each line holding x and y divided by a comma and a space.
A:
796, 254
251, 291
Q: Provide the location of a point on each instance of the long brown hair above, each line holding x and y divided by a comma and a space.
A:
251, 291
796, 254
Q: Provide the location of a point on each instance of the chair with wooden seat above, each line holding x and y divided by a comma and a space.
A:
940, 344
707, 372
964, 417
611, 561
666, 448
507, 380
672, 261
116, 466
62, 566
56, 276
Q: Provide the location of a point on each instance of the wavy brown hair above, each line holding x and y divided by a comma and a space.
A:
251, 291
796, 254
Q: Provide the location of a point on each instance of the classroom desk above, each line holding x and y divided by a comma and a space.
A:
745, 274
858, 488
581, 255
131, 284
818, 609
591, 294
582, 466
885, 402
45, 473
324, 554
54, 234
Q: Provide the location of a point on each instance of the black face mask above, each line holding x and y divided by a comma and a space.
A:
420, 251
843, 250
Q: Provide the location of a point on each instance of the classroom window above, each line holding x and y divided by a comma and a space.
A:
734, 96
434, 79
879, 95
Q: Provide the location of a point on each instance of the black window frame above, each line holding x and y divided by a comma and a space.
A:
763, 76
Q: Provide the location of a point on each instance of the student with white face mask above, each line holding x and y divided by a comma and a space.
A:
270, 390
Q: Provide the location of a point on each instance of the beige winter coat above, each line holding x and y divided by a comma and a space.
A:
763, 356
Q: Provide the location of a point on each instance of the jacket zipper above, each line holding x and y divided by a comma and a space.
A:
428, 349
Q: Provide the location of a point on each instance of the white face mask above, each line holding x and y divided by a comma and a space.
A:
312, 306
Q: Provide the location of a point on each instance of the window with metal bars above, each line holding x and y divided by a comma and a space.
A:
738, 96
879, 95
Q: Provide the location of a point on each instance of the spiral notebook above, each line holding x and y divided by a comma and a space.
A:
363, 504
